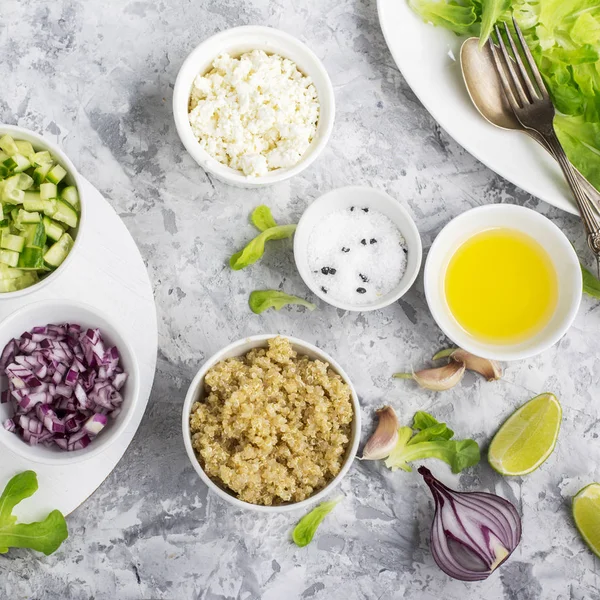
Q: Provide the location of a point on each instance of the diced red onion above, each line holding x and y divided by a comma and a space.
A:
63, 385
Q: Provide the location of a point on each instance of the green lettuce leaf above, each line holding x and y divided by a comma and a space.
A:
261, 300
308, 524
262, 218
256, 248
491, 13
451, 15
44, 536
591, 285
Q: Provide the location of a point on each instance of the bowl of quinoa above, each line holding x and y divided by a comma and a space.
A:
271, 423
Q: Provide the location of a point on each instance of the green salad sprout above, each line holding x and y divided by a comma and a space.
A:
591, 284
261, 300
432, 439
308, 524
564, 37
263, 220
44, 536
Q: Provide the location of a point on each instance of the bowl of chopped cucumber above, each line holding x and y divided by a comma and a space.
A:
41, 211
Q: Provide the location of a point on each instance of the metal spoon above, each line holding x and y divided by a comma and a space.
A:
485, 90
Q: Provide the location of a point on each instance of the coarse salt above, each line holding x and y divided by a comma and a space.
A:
357, 255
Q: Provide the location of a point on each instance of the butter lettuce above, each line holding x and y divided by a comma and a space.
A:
564, 37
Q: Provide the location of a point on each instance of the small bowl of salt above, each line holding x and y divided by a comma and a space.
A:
357, 248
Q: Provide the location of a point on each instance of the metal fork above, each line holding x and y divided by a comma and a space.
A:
533, 108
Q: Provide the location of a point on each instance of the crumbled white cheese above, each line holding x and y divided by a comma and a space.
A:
255, 113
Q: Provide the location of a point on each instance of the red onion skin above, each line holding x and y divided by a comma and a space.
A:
503, 522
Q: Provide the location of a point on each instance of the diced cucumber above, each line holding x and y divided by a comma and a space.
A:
65, 214
32, 201
12, 195
10, 272
56, 174
59, 251
23, 181
7, 144
19, 283
71, 195
48, 191
9, 257
39, 175
53, 230
12, 242
42, 158
35, 235
31, 259
50, 207
17, 163
37, 211
28, 217
25, 148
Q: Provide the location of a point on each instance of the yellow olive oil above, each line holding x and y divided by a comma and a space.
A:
501, 286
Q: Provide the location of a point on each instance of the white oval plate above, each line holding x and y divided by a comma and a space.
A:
428, 58
107, 272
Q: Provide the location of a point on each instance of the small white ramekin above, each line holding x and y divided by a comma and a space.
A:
196, 393
66, 311
376, 200
72, 178
548, 235
236, 41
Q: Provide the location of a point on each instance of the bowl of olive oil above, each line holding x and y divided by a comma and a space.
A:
503, 282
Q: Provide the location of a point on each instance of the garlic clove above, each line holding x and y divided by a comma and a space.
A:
385, 437
438, 379
490, 369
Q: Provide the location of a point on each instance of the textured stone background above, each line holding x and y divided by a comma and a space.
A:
97, 77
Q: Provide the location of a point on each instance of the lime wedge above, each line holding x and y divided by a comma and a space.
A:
586, 512
527, 438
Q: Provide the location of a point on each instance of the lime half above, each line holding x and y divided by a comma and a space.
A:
527, 438
586, 512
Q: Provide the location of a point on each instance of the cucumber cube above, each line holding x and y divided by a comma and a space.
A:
50, 207
12, 242
65, 214
42, 158
25, 148
48, 191
31, 259
7, 144
39, 175
59, 251
71, 195
56, 174
53, 229
9, 257
35, 235
33, 202
23, 181
28, 217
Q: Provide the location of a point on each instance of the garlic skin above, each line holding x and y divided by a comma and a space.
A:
490, 369
439, 379
385, 437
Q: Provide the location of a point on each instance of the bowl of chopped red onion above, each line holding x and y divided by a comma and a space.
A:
69, 382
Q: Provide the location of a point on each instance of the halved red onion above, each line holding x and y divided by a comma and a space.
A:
472, 533
63, 385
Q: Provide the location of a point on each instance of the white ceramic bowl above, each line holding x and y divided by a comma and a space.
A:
196, 392
346, 197
72, 178
65, 311
236, 41
550, 237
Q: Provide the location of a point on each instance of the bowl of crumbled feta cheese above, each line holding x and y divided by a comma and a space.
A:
253, 106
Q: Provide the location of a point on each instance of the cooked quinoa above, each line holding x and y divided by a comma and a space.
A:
273, 426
